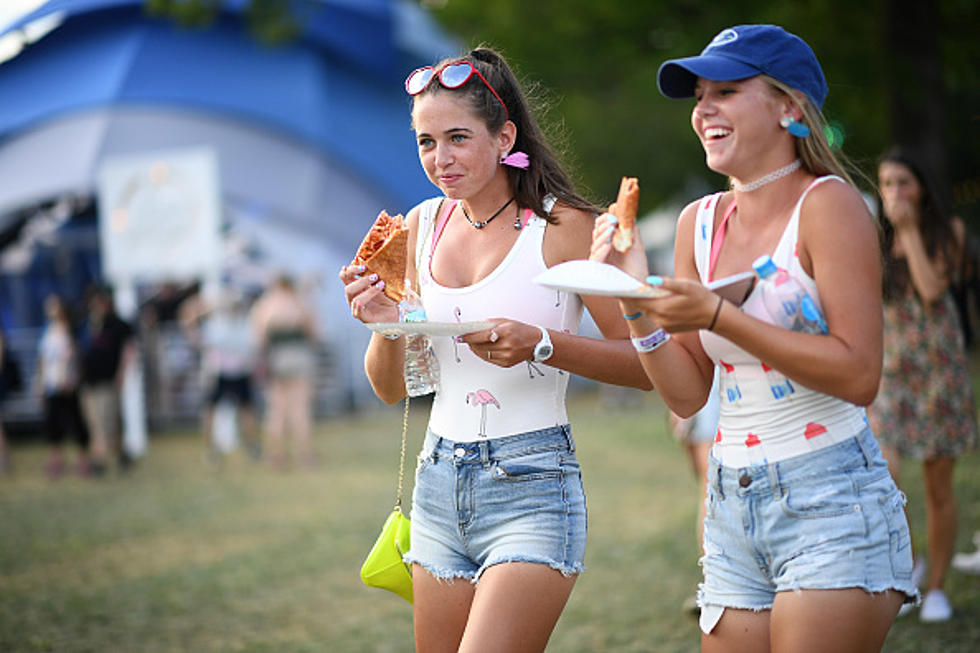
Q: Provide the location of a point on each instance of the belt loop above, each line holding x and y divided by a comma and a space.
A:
715, 472
567, 432
866, 448
773, 470
484, 448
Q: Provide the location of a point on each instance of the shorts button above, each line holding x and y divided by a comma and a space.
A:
460, 452
744, 480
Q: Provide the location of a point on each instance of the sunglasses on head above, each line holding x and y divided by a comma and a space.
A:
451, 76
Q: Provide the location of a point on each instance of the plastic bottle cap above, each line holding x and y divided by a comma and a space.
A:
764, 266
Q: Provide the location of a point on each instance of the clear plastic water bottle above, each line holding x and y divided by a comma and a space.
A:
786, 301
421, 366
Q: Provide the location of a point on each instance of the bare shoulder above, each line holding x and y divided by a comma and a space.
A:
688, 215
570, 237
835, 202
835, 222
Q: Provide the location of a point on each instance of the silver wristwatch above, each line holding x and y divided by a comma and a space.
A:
544, 349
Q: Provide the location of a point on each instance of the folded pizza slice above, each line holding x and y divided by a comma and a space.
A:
624, 208
384, 251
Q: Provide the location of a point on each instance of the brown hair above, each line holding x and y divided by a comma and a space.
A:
545, 174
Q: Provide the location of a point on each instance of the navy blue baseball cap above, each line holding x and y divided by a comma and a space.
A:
745, 51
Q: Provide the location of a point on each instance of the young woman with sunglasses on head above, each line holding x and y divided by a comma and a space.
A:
498, 516
806, 546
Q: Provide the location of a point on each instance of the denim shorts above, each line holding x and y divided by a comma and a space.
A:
830, 519
512, 499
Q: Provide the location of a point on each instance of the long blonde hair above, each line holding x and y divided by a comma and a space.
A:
814, 151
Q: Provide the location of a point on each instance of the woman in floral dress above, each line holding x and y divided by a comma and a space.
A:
925, 408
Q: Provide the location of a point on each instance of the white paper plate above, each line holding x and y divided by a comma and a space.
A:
428, 328
594, 278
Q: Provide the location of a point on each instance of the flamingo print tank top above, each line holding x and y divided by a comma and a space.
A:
478, 400
766, 417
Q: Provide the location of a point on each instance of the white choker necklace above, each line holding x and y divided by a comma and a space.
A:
771, 177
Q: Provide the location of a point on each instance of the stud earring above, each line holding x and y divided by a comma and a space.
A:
795, 128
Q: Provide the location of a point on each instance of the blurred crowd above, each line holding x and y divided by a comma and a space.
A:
244, 362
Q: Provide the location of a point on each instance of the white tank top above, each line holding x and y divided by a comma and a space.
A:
764, 416
478, 400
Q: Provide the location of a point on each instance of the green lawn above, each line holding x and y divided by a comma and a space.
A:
174, 557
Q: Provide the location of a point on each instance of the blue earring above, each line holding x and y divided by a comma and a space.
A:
795, 128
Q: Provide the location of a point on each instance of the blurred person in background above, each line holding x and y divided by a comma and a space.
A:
806, 544
925, 407
57, 379
285, 334
498, 520
10, 381
221, 329
108, 347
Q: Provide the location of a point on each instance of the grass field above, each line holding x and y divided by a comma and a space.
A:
175, 557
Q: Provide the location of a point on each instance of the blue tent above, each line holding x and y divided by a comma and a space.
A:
312, 137
336, 90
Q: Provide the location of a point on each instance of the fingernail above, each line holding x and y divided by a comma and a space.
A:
609, 232
613, 219
654, 280
373, 278
380, 285
360, 268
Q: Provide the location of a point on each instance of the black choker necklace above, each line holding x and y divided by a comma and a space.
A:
481, 225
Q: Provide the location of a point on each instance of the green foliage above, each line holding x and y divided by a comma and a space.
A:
600, 61
271, 22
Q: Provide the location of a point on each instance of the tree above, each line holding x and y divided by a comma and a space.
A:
912, 79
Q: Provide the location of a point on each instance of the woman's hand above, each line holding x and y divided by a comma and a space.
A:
365, 297
506, 344
633, 261
689, 307
900, 213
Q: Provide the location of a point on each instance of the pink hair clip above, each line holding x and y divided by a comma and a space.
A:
516, 160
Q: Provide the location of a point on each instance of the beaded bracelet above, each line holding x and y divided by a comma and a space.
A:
652, 342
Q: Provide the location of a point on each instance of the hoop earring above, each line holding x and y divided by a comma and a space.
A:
797, 129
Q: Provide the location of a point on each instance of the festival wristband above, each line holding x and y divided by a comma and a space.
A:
652, 342
635, 316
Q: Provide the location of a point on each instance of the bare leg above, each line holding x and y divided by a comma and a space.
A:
843, 621
515, 609
300, 410
274, 422
941, 518
211, 457
738, 631
249, 430
441, 610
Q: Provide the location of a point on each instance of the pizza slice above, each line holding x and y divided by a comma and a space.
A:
624, 208
384, 251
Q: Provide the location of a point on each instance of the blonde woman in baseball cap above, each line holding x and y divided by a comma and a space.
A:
806, 545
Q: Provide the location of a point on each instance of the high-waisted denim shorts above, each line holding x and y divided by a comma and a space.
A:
512, 499
831, 519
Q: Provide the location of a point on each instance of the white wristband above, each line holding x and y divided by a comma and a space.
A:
652, 342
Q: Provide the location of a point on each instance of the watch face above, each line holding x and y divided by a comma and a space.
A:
543, 352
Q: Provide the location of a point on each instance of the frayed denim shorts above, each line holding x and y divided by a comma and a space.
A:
512, 499
830, 519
